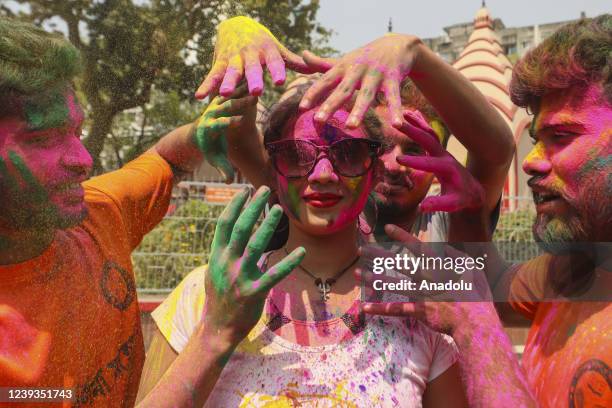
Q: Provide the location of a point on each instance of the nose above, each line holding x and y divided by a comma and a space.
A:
323, 172
390, 161
76, 157
536, 162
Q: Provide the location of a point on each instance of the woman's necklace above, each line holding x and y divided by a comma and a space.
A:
325, 287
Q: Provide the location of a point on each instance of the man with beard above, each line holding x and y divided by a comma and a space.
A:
69, 317
400, 197
567, 83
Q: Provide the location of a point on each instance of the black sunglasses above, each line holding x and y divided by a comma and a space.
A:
350, 157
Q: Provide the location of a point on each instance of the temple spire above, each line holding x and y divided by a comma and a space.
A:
390, 26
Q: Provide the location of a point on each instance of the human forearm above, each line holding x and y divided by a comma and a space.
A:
471, 119
466, 111
194, 373
246, 151
490, 371
178, 149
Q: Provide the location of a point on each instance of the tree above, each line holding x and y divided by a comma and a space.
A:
134, 49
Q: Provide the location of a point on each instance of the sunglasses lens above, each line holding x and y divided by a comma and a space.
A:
352, 157
294, 158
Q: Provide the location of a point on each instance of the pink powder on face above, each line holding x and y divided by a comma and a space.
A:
399, 187
323, 177
573, 153
55, 157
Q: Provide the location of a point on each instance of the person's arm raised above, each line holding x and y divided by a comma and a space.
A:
381, 65
235, 292
243, 46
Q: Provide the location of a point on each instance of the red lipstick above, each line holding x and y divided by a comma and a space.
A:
322, 200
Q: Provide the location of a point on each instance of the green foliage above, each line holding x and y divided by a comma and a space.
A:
180, 243
515, 226
137, 51
513, 236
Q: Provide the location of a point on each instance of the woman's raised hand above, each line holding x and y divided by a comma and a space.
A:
378, 66
459, 189
235, 286
222, 116
243, 46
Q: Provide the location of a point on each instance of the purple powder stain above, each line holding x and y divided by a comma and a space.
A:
362, 387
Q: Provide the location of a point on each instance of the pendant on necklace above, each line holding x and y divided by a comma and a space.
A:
324, 287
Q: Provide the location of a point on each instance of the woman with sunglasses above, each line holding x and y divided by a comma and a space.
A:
304, 340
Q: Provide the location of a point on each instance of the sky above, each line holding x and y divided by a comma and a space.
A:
357, 22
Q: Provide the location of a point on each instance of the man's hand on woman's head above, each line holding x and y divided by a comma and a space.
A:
378, 66
235, 286
459, 189
222, 116
243, 47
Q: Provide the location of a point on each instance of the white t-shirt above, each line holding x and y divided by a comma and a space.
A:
381, 362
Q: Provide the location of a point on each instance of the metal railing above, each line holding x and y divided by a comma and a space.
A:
181, 242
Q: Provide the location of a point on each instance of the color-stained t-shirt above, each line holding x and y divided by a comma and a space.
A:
81, 292
379, 362
568, 353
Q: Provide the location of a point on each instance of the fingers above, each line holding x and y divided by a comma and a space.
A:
426, 138
389, 309
212, 80
391, 89
226, 221
241, 91
223, 166
243, 228
259, 241
447, 202
316, 63
341, 94
253, 73
371, 251
275, 65
437, 165
233, 75
294, 61
369, 87
410, 241
234, 107
416, 246
320, 87
279, 271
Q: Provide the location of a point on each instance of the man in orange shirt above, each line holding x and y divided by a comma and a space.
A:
567, 84
69, 315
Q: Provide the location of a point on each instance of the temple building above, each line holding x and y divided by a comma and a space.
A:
485, 64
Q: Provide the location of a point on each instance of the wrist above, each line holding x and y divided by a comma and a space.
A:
420, 54
217, 338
